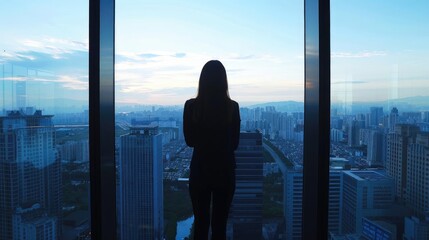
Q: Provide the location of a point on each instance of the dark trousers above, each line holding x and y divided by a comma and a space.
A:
216, 189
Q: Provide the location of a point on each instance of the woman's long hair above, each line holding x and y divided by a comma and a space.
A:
213, 82
213, 101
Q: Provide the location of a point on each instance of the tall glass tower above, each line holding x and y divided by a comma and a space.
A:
30, 178
246, 211
141, 191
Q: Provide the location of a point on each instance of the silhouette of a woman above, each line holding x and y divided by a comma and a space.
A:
211, 124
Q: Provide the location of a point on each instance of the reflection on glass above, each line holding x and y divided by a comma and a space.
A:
44, 159
160, 50
379, 126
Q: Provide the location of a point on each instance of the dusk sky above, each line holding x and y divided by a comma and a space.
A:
379, 49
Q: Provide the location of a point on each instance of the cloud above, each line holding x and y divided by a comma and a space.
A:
149, 55
133, 56
155, 76
180, 55
50, 60
242, 57
352, 82
362, 54
55, 47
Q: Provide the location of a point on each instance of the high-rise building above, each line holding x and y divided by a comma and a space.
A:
74, 151
417, 184
141, 189
425, 117
375, 147
396, 155
336, 135
246, 210
293, 187
354, 132
365, 194
375, 114
30, 178
416, 229
335, 203
393, 119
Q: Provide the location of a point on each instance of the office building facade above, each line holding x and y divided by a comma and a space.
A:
417, 182
365, 194
30, 177
141, 170
293, 187
246, 210
396, 155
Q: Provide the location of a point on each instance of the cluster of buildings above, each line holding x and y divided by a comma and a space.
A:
283, 125
388, 198
383, 193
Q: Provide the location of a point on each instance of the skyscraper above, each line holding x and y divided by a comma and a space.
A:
417, 185
375, 115
293, 187
375, 147
393, 119
141, 191
30, 178
416, 229
246, 210
365, 194
396, 155
353, 133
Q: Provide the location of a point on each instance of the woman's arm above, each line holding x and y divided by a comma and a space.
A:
236, 126
188, 130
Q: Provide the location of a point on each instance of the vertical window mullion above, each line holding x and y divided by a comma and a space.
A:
102, 119
316, 119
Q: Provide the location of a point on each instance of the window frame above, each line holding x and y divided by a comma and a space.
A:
102, 119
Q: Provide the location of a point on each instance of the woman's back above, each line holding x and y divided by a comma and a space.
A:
212, 128
211, 125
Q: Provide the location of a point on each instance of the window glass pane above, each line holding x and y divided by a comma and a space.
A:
161, 47
379, 187
44, 159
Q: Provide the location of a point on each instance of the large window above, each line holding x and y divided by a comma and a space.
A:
44, 158
379, 119
378, 182
161, 48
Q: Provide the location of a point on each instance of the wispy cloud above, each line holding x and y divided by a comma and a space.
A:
348, 82
150, 77
53, 47
362, 54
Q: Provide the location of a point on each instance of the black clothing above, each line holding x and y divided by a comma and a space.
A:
213, 131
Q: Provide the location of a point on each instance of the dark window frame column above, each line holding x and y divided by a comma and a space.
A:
316, 119
102, 135
102, 118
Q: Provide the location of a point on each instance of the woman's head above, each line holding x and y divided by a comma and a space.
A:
213, 81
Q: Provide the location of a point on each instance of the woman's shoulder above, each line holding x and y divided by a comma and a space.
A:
190, 102
235, 104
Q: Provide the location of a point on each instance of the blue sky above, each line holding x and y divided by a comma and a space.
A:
379, 49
